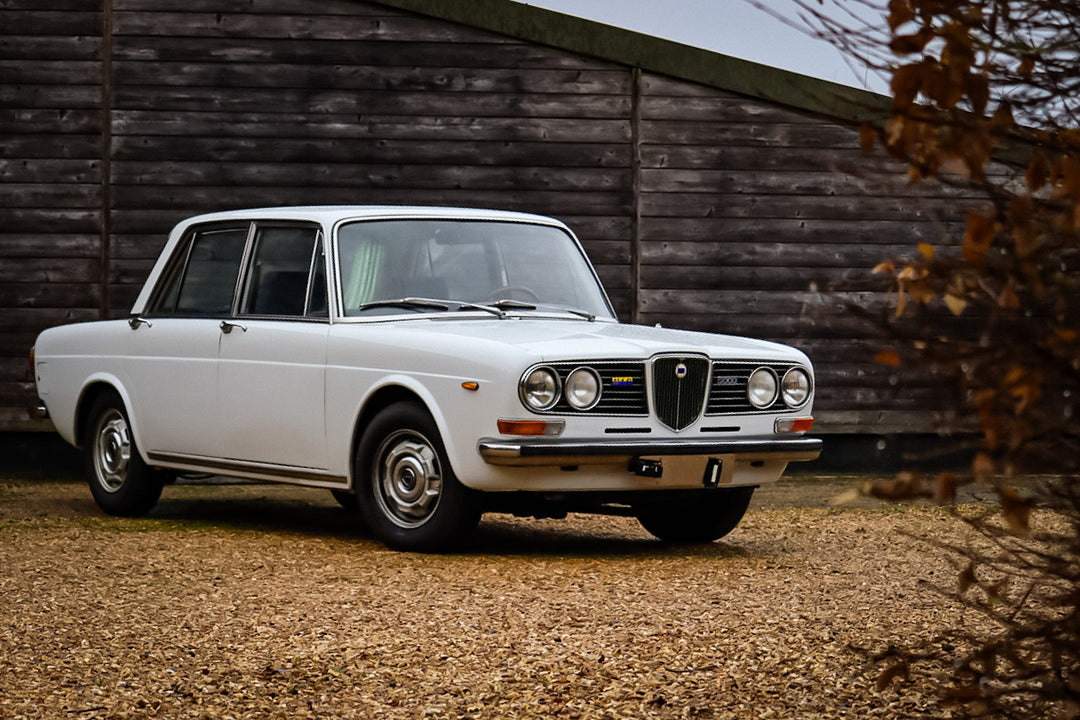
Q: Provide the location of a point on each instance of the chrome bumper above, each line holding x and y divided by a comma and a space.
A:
570, 452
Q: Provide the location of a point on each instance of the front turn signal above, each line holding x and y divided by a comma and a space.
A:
793, 425
531, 427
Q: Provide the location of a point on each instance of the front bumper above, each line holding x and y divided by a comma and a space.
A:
497, 451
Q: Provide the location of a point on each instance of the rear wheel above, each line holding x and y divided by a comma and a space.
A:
408, 494
699, 517
121, 483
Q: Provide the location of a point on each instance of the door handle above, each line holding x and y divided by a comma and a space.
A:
227, 327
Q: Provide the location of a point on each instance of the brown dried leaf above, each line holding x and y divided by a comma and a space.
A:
907, 485
1038, 172
891, 358
945, 488
978, 235
1017, 511
867, 136
955, 303
900, 12
982, 467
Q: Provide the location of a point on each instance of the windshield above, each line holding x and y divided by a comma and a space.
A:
515, 266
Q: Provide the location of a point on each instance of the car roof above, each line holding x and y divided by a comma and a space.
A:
331, 214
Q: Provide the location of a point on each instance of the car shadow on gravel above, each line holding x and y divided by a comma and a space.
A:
312, 513
498, 535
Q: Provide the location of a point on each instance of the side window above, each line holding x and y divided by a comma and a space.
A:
286, 276
205, 283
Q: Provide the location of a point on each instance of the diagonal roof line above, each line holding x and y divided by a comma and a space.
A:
657, 55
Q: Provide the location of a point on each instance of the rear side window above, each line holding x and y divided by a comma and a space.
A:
281, 274
203, 282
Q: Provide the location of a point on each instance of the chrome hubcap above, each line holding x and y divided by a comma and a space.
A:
408, 480
112, 451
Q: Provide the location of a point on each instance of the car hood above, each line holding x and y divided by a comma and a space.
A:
551, 339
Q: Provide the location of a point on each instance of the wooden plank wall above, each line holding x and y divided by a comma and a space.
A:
50, 180
761, 221
295, 102
700, 209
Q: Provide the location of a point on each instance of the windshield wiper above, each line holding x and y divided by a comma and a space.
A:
406, 302
488, 308
580, 313
512, 305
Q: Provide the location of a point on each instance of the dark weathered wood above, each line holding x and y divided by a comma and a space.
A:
50, 72
795, 231
44, 195
300, 26
822, 183
282, 125
764, 254
49, 96
360, 77
700, 208
51, 293
64, 23
32, 271
375, 177
371, 102
44, 245
401, 53
373, 152
33, 170
824, 207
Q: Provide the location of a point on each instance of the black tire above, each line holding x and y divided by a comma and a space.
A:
121, 483
698, 517
346, 500
408, 493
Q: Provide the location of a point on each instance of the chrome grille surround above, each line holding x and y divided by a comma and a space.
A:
679, 389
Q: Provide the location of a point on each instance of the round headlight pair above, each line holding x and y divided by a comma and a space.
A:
541, 389
763, 387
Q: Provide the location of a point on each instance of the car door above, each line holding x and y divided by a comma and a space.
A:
272, 358
173, 365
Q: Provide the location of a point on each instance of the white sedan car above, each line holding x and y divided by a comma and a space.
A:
426, 365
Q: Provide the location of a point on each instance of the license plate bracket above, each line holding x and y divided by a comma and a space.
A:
714, 471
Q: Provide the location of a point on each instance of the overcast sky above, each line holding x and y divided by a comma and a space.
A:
731, 27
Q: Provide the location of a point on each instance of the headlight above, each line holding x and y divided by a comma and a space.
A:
539, 389
795, 387
582, 389
761, 390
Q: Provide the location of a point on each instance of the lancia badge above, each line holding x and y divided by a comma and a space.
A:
680, 370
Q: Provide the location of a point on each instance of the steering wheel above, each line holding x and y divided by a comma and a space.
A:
506, 292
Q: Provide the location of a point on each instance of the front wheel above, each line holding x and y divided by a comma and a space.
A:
698, 517
121, 483
408, 494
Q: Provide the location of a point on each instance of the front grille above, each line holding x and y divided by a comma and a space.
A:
623, 388
727, 395
679, 385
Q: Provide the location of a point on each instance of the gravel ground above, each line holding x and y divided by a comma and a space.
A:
259, 601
